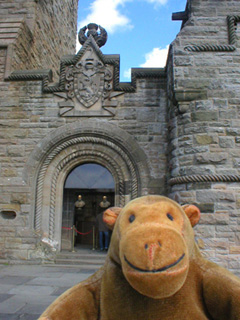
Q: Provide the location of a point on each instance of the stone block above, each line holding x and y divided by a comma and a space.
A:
196, 149
212, 158
214, 219
14, 207
16, 151
205, 208
197, 170
146, 115
183, 61
226, 142
236, 163
228, 114
206, 231
204, 139
233, 131
220, 103
205, 116
19, 197
206, 196
26, 233
199, 186
226, 196
217, 243
234, 250
9, 172
223, 206
238, 203
17, 254
234, 265
4, 198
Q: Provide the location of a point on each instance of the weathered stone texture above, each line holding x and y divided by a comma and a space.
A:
28, 27
3, 53
60, 16
207, 130
30, 116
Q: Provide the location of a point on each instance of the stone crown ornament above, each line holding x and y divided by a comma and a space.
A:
100, 38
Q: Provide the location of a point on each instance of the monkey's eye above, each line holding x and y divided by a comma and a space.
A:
131, 218
170, 217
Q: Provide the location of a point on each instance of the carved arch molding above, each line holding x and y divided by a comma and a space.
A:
75, 144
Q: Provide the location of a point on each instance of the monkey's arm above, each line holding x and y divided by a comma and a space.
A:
221, 291
79, 302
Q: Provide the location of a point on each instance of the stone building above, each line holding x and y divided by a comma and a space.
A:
173, 131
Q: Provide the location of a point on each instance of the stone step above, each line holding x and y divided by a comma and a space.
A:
85, 256
80, 262
81, 258
19, 262
87, 267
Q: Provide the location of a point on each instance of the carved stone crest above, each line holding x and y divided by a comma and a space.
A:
89, 80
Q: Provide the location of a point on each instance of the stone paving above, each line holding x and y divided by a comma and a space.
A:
26, 290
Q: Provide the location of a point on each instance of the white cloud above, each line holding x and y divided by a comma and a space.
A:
158, 2
107, 14
156, 58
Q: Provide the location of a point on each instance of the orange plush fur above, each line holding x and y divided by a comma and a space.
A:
153, 271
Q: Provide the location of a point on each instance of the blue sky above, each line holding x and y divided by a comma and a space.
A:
139, 30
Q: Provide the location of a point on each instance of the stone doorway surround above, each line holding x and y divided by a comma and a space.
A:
72, 145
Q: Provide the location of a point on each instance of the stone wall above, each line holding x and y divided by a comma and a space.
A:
30, 116
39, 33
205, 125
55, 29
143, 115
15, 9
34, 34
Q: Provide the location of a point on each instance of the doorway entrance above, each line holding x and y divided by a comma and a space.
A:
84, 189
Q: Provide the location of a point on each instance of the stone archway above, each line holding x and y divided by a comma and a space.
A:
75, 144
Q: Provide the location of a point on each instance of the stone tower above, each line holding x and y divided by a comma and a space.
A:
35, 34
204, 155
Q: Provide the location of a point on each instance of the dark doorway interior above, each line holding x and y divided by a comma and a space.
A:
92, 182
84, 220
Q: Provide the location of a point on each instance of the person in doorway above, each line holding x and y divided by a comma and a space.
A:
103, 231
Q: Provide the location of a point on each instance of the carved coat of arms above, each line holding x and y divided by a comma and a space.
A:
89, 80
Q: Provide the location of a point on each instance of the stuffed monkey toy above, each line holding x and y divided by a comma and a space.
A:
153, 271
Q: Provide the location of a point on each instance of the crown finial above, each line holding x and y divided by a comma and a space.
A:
100, 37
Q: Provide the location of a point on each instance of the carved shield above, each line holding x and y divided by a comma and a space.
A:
89, 81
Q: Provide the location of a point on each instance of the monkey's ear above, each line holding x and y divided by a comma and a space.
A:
193, 213
110, 216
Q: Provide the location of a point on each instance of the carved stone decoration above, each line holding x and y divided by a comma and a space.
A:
100, 39
232, 39
89, 80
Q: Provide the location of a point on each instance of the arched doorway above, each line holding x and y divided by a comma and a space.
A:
76, 144
84, 189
